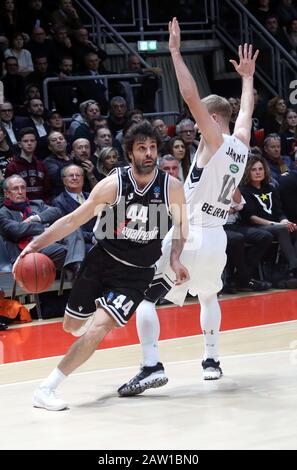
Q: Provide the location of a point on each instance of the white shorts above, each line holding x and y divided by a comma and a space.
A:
204, 255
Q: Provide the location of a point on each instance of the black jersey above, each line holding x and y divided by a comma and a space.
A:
133, 227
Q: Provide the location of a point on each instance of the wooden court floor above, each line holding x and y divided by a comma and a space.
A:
253, 406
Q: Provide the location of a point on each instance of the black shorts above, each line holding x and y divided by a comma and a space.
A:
104, 281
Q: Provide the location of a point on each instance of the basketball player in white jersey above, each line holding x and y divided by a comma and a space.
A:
215, 173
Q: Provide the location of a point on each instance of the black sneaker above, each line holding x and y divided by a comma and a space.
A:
256, 286
211, 369
148, 377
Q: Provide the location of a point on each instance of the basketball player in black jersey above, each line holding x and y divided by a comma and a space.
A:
131, 205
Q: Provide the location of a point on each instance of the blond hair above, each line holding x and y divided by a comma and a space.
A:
218, 105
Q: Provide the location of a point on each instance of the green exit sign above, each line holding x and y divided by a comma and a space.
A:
147, 45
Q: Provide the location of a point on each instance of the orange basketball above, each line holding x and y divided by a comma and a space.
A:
35, 272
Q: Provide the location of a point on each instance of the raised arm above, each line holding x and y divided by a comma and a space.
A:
189, 90
246, 69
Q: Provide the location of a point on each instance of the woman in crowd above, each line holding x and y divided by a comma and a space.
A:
288, 134
108, 159
177, 148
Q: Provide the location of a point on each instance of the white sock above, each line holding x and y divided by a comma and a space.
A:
53, 380
148, 328
210, 320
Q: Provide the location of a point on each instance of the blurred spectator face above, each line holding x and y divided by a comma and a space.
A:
9, 5
294, 26
188, 134
12, 66
235, 105
33, 92
161, 127
103, 138
6, 112
81, 149
118, 109
271, 25
281, 107
16, 190
110, 161
66, 66
179, 149
61, 35
171, 167
2, 135
257, 173
41, 65
92, 62
36, 5
66, 5
92, 111
56, 121
134, 63
36, 108
38, 35
273, 148
73, 178
18, 42
28, 144
57, 143
82, 35
291, 119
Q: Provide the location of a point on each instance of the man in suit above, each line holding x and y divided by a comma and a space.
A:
72, 197
21, 220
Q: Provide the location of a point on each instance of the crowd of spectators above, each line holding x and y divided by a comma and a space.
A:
58, 165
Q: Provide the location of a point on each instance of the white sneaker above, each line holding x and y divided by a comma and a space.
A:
46, 398
211, 369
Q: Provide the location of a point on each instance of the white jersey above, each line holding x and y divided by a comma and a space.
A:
209, 189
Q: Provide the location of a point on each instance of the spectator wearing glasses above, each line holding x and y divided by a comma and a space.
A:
11, 125
186, 130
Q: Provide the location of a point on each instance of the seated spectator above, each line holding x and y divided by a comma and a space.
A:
186, 130
118, 115
263, 209
271, 23
288, 134
176, 147
81, 154
57, 159
169, 164
6, 153
72, 196
21, 220
41, 71
34, 14
235, 106
279, 165
11, 125
292, 37
10, 21
23, 56
55, 122
82, 45
102, 139
108, 159
94, 89
26, 165
286, 12
63, 94
14, 84
83, 130
276, 110
36, 119
66, 16
147, 82
39, 45
288, 193
243, 260
61, 46
162, 129
82, 117
262, 10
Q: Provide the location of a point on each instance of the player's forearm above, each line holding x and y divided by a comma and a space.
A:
179, 237
247, 97
187, 85
59, 230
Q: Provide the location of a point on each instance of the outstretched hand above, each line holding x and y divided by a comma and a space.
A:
174, 35
247, 61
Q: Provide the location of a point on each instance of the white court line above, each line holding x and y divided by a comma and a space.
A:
160, 341
287, 351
